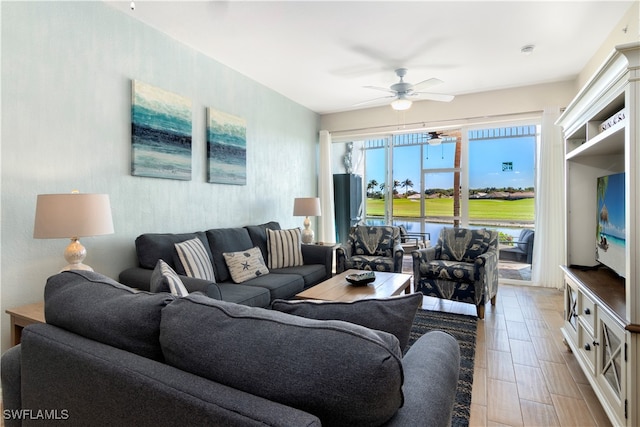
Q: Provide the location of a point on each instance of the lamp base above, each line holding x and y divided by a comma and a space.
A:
307, 233
75, 253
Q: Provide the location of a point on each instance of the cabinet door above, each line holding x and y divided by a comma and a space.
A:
571, 309
611, 364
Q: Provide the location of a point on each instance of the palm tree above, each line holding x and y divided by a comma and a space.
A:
396, 184
370, 186
406, 184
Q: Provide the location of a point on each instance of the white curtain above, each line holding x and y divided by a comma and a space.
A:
549, 242
327, 222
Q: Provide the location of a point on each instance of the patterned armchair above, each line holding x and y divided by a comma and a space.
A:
463, 267
371, 248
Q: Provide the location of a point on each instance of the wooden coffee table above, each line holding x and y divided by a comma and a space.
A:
338, 289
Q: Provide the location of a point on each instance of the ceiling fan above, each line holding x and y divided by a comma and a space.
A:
403, 91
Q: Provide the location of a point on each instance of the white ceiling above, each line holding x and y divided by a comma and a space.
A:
320, 54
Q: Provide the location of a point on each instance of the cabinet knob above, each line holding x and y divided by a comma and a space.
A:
587, 347
596, 343
587, 311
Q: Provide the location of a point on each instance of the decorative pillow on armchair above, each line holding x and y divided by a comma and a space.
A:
245, 265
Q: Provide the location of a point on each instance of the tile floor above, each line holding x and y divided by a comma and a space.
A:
524, 375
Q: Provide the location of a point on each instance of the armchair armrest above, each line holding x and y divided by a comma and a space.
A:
398, 254
427, 254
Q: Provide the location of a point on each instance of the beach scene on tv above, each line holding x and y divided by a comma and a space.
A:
610, 235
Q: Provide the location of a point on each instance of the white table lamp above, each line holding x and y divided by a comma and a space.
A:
72, 216
306, 206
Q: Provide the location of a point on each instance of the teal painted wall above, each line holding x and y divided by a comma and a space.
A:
66, 94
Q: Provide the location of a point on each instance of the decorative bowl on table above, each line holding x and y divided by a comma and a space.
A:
361, 279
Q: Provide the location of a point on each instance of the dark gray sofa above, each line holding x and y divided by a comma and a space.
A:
259, 292
111, 355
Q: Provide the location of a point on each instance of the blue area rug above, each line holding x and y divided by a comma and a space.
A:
464, 329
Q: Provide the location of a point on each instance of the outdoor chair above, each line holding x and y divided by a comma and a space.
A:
375, 248
463, 266
413, 240
522, 251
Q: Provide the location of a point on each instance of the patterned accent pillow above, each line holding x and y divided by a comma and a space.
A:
245, 265
284, 248
194, 259
164, 279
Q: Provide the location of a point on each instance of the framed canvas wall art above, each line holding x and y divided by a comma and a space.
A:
160, 133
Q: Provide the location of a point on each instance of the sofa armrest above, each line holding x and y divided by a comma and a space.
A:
11, 383
140, 278
431, 369
319, 254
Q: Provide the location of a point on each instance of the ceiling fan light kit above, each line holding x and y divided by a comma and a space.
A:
402, 91
401, 104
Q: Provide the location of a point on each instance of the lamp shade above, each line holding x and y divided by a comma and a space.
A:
306, 206
72, 215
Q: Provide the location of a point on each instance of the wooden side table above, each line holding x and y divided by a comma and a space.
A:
24, 316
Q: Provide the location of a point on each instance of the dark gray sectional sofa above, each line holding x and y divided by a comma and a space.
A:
109, 355
281, 283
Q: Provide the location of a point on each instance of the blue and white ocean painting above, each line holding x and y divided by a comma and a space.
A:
226, 148
160, 133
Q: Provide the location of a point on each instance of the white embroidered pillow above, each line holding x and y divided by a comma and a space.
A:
245, 265
284, 248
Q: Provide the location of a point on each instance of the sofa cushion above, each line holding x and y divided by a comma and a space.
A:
164, 279
279, 285
311, 274
223, 240
284, 247
258, 235
394, 315
195, 259
245, 265
99, 308
343, 373
151, 247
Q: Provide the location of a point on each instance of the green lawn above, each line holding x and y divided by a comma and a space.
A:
512, 210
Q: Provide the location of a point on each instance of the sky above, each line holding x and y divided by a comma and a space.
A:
486, 164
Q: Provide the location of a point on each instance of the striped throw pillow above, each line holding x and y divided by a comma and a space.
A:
164, 279
284, 248
194, 259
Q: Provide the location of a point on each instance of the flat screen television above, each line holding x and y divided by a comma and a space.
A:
610, 229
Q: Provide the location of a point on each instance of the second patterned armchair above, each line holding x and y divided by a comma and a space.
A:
463, 267
375, 248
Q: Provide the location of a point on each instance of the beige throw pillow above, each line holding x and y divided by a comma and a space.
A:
245, 265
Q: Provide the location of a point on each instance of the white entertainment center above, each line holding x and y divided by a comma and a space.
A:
602, 309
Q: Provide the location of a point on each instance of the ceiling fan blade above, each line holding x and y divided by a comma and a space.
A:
433, 96
427, 83
384, 89
370, 101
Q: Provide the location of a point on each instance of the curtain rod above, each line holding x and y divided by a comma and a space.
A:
440, 124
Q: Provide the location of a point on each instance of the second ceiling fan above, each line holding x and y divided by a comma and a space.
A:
404, 92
